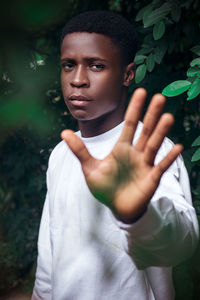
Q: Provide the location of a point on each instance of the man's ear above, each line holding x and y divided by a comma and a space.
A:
129, 74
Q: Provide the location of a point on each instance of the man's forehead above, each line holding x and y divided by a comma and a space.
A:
88, 44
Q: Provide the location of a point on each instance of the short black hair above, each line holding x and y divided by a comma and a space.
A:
110, 24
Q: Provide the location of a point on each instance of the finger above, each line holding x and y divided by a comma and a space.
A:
157, 137
78, 148
166, 162
150, 120
132, 115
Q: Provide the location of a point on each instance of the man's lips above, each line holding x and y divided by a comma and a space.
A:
79, 100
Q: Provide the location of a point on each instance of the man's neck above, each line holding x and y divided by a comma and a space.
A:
101, 125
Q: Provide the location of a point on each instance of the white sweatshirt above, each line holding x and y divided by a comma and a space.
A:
85, 253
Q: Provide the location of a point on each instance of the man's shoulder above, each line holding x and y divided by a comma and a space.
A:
58, 154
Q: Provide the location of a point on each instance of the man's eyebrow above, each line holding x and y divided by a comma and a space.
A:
95, 58
67, 59
89, 59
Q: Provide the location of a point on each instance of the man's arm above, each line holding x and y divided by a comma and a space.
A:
163, 226
127, 178
42, 287
167, 233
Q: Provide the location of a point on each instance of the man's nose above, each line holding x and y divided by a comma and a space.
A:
80, 78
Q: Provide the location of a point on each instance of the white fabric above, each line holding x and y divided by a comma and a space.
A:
85, 253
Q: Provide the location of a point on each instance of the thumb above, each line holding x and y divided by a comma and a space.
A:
78, 148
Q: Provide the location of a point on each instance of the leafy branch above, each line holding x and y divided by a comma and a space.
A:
158, 19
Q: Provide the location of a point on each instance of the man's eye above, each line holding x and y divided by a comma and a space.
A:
67, 67
97, 67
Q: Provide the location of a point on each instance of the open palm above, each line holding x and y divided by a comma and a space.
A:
127, 178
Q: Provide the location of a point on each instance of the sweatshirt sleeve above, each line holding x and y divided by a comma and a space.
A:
42, 287
43, 282
167, 233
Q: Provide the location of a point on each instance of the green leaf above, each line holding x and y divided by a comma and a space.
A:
159, 52
196, 142
140, 73
39, 59
144, 51
139, 59
141, 12
157, 15
186, 3
176, 13
195, 62
196, 155
148, 40
191, 72
150, 62
196, 50
176, 88
194, 90
158, 30
146, 14
38, 56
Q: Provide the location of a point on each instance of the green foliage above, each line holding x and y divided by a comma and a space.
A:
140, 59
150, 61
196, 50
192, 84
191, 72
140, 73
163, 22
170, 30
196, 155
158, 30
20, 206
194, 90
196, 142
155, 16
176, 88
32, 116
195, 62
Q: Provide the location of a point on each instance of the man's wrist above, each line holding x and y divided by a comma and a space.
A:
129, 220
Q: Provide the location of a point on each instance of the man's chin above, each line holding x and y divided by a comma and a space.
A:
81, 116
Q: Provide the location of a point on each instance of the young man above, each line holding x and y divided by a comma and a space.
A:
111, 228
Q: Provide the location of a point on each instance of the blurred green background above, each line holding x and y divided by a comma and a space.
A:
33, 113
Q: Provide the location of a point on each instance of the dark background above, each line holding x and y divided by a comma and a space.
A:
33, 113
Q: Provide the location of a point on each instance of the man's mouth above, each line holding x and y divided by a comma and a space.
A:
79, 100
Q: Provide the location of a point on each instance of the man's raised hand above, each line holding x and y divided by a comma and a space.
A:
127, 178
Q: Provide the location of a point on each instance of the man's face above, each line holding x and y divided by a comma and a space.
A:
91, 75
